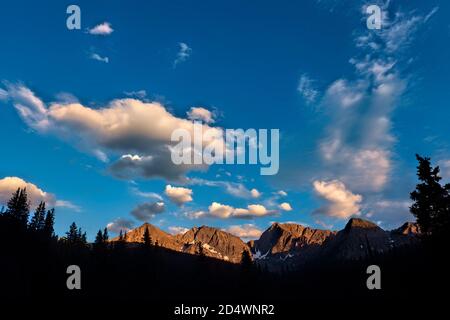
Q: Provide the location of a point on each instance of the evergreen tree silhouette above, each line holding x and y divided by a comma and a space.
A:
72, 235
49, 221
99, 238
38, 220
146, 238
431, 204
105, 235
18, 207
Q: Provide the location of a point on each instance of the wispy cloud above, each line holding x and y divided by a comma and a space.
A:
183, 54
307, 89
96, 56
68, 205
235, 189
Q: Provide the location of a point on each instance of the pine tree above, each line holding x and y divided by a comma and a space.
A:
105, 235
431, 200
121, 235
146, 238
83, 239
38, 220
48, 223
18, 207
73, 235
99, 239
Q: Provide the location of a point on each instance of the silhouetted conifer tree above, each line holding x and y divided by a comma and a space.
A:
146, 238
38, 220
99, 238
18, 207
431, 200
49, 221
105, 235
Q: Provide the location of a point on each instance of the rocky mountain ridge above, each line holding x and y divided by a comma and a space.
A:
284, 243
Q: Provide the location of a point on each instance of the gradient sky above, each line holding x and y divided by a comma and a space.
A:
353, 106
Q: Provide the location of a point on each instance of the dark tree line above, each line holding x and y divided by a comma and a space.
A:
33, 260
18, 211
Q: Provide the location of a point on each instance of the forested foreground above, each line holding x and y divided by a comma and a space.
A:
34, 264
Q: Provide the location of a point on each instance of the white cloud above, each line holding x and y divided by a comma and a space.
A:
138, 131
285, 206
307, 90
102, 29
120, 224
147, 211
96, 56
3, 94
150, 195
219, 210
183, 54
444, 165
9, 185
245, 231
342, 202
202, 114
282, 193
178, 195
67, 204
177, 230
255, 193
195, 214
223, 211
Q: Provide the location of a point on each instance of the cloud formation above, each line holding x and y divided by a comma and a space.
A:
9, 185
96, 56
285, 206
174, 230
223, 211
307, 90
201, 114
245, 231
139, 132
120, 224
147, 211
342, 203
178, 195
235, 189
102, 29
183, 54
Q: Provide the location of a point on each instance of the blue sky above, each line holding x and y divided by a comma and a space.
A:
353, 106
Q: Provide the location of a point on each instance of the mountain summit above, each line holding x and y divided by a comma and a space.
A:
284, 244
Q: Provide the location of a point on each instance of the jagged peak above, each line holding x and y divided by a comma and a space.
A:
408, 228
360, 223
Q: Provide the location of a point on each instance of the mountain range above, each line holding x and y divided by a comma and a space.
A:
285, 245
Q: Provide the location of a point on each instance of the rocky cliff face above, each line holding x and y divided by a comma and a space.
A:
157, 236
285, 244
291, 245
214, 243
207, 241
288, 240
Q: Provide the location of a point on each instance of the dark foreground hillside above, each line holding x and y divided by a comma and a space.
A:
34, 267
